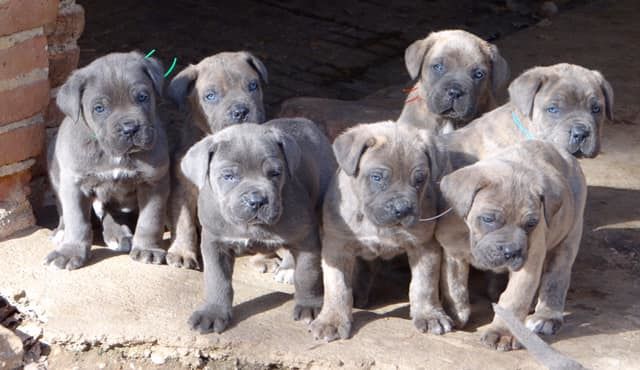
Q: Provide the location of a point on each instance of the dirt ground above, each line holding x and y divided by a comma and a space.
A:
118, 314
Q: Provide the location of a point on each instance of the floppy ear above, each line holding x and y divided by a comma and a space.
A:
607, 91
524, 88
438, 156
290, 148
69, 97
182, 85
195, 164
349, 147
257, 64
460, 187
153, 68
414, 55
551, 194
499, 69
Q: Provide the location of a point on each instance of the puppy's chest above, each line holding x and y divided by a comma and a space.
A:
105, 183
384, 245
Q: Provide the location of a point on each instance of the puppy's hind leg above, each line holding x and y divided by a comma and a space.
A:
307, 278
454, 284
184, 251
285, 272
117, 236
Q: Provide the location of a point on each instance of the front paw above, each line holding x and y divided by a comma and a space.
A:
210, 318
547, 324
285, 275
499, 339
330, 326
183, 258
306, 313
156, 256
435, 322
118, 238
69, 257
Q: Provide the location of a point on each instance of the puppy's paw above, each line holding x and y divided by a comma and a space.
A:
210, 318
306, 313
156, 256
499, 339
547, 324
265, 263
284, 275
183, 259
67, 257
329, 327
434, 322
118, 238
460, 315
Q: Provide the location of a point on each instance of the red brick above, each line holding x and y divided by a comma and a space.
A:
21, 143
17, 181
53, 116
23, 101
23, 57
20, 15
61, 65
67, 27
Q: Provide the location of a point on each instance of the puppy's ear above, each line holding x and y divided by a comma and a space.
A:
460, 187
182, 84
257, 64
69, 98
438, 156
552, 192
195, 164
607, 91
290, 148
415, 53
523, 90
350, 146
153, 68
499, 69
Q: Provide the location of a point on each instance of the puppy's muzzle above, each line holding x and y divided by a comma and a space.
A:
129, 128
239, 113
455, 92
578, 134
397, 211
254, 200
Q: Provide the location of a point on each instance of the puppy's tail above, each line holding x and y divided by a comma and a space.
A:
538, 348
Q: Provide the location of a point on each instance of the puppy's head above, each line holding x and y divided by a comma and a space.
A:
116, 97
392, 168
567, 104
222, 90
502, 203
459, 73
246, 167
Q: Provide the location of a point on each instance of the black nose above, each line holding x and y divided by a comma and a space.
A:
510, 251
239, 113
454, 92
579, 133
401, 208
255, 200
129, 128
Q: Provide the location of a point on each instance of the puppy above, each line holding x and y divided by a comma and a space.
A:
260, 189
372, 209
523, 209
111, 149
222, 90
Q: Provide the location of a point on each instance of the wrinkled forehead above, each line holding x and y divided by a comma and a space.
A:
459, 51
249, 150
400, 153
224, 73
571, 89
511, 190
116, 79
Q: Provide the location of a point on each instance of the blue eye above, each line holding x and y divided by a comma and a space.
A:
253, 85
211, 96
487, 219
553, 109
376, 177
595, 108
478, 74
228, 177
99, 108
274, 173
142, 97
438, 67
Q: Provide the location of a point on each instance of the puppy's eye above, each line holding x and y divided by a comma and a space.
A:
228, 177
253, 86
438, 67
211, 96
595, 109
99, 108
478, 74
531, 224
375, 177
142, 97
488, 219
553, 109
274, 173
420, 178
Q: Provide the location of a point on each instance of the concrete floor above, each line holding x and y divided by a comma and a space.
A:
123, 310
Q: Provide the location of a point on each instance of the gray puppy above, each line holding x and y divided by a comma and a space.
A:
385, 184
111, 149
221, 90
260, 189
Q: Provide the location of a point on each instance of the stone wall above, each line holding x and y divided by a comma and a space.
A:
38, 50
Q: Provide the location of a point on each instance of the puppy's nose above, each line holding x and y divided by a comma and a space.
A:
401, 208
255, 200
239, 113
579, 133
455, 92
509, 251
129, 128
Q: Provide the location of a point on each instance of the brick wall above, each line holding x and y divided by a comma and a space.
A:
38, 50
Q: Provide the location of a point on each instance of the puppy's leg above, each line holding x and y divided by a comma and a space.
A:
215, 314
334, 320
426, 309
147, 237
286, 269
183, 251
518, 296
117, 237
455, 288
307, 278
73, 252
548, 316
